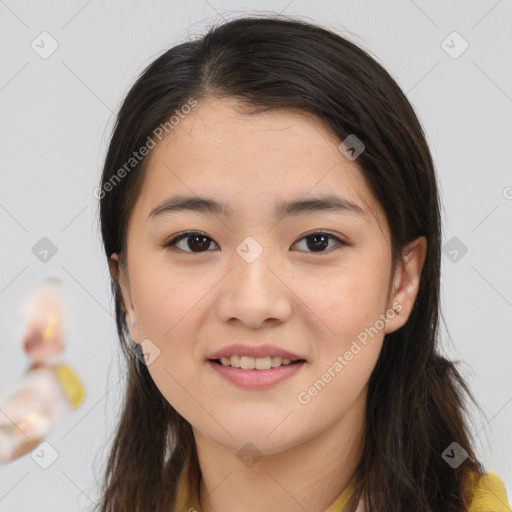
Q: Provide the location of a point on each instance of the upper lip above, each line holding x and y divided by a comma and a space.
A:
254, 351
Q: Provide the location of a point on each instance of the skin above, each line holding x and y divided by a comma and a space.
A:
310, 302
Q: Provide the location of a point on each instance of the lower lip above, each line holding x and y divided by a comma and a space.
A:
256, 379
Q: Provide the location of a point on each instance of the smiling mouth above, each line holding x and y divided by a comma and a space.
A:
255, 363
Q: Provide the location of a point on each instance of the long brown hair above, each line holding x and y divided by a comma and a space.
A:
416, 405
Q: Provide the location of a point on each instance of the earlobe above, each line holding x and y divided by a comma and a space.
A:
407, 281
113, 265
122, 282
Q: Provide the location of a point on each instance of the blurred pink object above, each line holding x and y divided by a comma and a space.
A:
49, 387
43, 341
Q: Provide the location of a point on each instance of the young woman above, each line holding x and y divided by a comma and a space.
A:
270, 215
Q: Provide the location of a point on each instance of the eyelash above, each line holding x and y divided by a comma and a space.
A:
170, 245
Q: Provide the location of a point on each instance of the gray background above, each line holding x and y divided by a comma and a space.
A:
57, 114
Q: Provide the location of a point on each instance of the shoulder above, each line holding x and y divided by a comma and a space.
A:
489, 494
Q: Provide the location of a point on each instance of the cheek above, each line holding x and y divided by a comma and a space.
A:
179, 378
347, 302
170, 309
175, 386
162, 299
349, 308
344, 364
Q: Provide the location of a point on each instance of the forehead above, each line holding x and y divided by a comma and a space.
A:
251, 162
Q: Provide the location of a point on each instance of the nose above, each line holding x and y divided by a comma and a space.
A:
254, 293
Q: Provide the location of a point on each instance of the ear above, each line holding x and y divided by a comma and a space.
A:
120, 275
406, 283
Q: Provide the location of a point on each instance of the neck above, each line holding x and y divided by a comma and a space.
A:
309, 476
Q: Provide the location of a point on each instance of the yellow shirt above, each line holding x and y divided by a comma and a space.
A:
489, 494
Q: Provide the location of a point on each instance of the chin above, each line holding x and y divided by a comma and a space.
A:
258, 438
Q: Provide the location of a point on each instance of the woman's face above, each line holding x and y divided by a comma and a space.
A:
254, 277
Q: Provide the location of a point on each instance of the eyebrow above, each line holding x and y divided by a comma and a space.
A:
325, 203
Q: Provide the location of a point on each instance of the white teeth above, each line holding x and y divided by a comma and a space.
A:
276, 361
247, 363
251, 363
263, 363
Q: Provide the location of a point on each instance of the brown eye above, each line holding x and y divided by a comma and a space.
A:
317, 242
193, 242
198, 242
